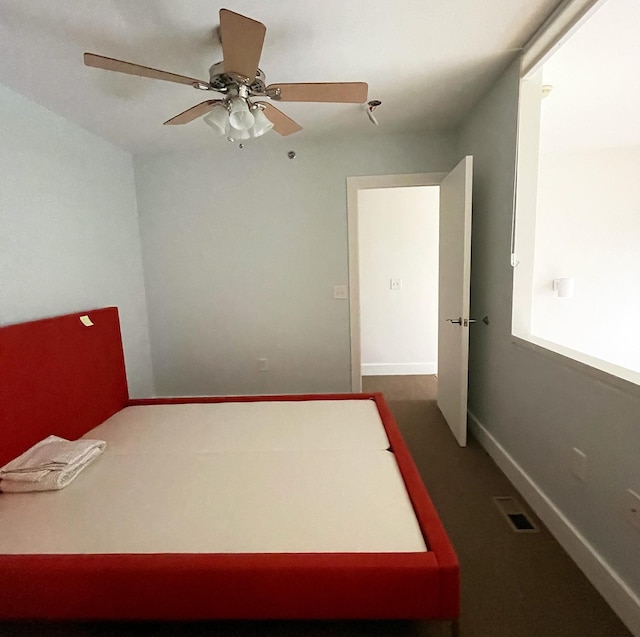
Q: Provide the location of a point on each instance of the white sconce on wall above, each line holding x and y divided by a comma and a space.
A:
564, 287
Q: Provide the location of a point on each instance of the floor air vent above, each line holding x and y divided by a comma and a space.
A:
513, 512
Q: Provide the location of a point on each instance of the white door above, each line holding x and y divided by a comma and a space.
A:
453, 297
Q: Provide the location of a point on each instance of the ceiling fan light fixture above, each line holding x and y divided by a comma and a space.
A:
217, 119
239, 79
237, 134
262, 123
240, 116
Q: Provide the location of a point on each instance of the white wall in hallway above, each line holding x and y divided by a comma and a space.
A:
398, 241
587, 227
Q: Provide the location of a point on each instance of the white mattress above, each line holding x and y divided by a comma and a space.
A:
234, 426
236, 502
226, 478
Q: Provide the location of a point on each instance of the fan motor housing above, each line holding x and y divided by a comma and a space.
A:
222, 81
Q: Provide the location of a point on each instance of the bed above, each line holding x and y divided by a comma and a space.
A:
172, 522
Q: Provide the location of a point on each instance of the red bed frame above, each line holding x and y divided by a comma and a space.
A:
59, 376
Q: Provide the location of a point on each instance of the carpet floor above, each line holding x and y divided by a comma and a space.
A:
513, 584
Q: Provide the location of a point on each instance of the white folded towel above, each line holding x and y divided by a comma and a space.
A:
50, 464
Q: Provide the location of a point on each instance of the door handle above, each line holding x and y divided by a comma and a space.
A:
461, 321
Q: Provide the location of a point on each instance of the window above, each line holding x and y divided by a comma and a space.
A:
577, 222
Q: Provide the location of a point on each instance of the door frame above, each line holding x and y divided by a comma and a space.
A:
354, 184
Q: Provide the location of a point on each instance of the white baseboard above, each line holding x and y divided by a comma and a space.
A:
398, 369
607, 581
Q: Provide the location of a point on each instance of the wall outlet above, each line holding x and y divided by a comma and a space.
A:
395, 284
632, 507
579, 464
263, 364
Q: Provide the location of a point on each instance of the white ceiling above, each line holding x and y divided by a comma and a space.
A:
427, 60
595, 101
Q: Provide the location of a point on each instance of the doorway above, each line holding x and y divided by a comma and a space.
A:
398, 254
354, 185
454, 277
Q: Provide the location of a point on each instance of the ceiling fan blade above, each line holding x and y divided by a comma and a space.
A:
242, 39
281, 123
111, 64
194, 112
346, 92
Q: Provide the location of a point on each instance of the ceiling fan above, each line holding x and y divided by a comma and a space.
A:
238, 114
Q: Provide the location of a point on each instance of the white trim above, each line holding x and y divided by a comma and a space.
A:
555, 31
399, 369
607, 581
353, 185
525, 196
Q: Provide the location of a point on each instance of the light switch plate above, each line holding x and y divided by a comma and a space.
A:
339, 291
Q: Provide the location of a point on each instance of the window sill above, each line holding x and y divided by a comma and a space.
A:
619, 377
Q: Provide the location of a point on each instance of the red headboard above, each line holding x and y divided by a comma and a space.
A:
58, 376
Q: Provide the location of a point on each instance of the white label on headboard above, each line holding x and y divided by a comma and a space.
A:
86, 321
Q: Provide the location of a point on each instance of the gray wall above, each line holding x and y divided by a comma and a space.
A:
242, 249
535, 406
69, 234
